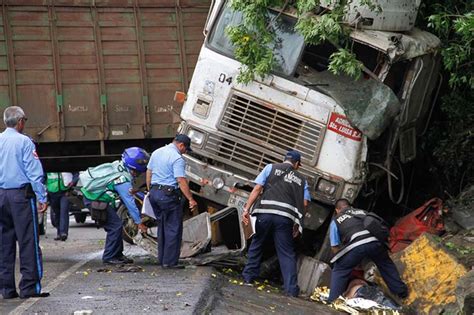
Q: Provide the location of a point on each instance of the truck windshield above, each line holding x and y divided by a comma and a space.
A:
286, 48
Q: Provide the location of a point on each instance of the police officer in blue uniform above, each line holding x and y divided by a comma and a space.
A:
21, 176
166, 181
279, 214
351, 243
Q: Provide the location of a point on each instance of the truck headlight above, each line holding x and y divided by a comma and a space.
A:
196, 137
326, 187
218, 182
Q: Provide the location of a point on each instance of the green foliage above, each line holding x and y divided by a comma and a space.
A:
317, 29
343, 61
451, 136
252, 39
456, 32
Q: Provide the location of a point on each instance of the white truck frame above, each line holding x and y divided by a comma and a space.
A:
237, 129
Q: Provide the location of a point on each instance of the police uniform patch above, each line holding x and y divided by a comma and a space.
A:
35, 155
120, 180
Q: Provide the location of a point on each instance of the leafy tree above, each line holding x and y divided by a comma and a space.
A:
253, 37
451, 137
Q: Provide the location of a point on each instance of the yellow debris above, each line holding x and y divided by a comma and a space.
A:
179, 294
213, 275
430, 273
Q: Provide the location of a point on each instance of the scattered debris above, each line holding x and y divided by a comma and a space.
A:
427, 218
431, 274
353, 305
83, 312
123, 268
87, 297
311, 274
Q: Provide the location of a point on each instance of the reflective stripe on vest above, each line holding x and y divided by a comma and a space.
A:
283, 214
346, 249
283, 205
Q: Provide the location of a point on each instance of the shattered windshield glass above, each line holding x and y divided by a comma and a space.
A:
369, 105
286, 48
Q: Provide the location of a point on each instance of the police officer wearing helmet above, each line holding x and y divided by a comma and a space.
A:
279, 212
117, 181
21, 176
351, 243
166, 181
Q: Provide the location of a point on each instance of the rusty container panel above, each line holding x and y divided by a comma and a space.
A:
98, 70
32, 68
4, 75
79, 73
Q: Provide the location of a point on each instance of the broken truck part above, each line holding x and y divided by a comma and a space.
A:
237, 129
196, 247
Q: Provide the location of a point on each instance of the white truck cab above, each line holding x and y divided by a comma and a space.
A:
237, 129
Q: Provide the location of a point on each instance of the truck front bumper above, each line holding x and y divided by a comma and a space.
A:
216, 184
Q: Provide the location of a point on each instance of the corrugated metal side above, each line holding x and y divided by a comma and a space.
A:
98, 72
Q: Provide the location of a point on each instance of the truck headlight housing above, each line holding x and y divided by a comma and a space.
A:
196, 137
218, 182
326, 187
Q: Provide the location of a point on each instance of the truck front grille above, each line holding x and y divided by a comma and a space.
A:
249, 158
258, 133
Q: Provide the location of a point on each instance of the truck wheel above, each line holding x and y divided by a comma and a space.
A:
80, 218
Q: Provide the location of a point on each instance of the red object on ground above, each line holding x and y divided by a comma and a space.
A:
426, 218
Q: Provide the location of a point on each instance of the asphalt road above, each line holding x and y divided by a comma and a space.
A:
77, 281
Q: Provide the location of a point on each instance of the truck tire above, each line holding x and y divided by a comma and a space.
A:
80, 217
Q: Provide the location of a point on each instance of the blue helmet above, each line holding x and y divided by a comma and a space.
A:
135, 158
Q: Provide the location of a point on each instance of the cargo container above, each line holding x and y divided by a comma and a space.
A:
95, 76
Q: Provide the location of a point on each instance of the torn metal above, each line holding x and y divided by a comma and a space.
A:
368, 104
398, 46
196, 247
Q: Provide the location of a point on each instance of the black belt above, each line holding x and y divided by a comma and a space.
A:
25, 186
164, 187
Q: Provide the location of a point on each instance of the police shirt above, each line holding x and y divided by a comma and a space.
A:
334, 238
167, 164
19, 163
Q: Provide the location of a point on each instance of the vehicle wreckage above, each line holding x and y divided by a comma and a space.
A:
237, 129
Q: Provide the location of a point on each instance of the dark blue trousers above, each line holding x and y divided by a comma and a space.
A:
168, 210
378, 254
113, 227
60, 207
19, 223
113, 241
281, 229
